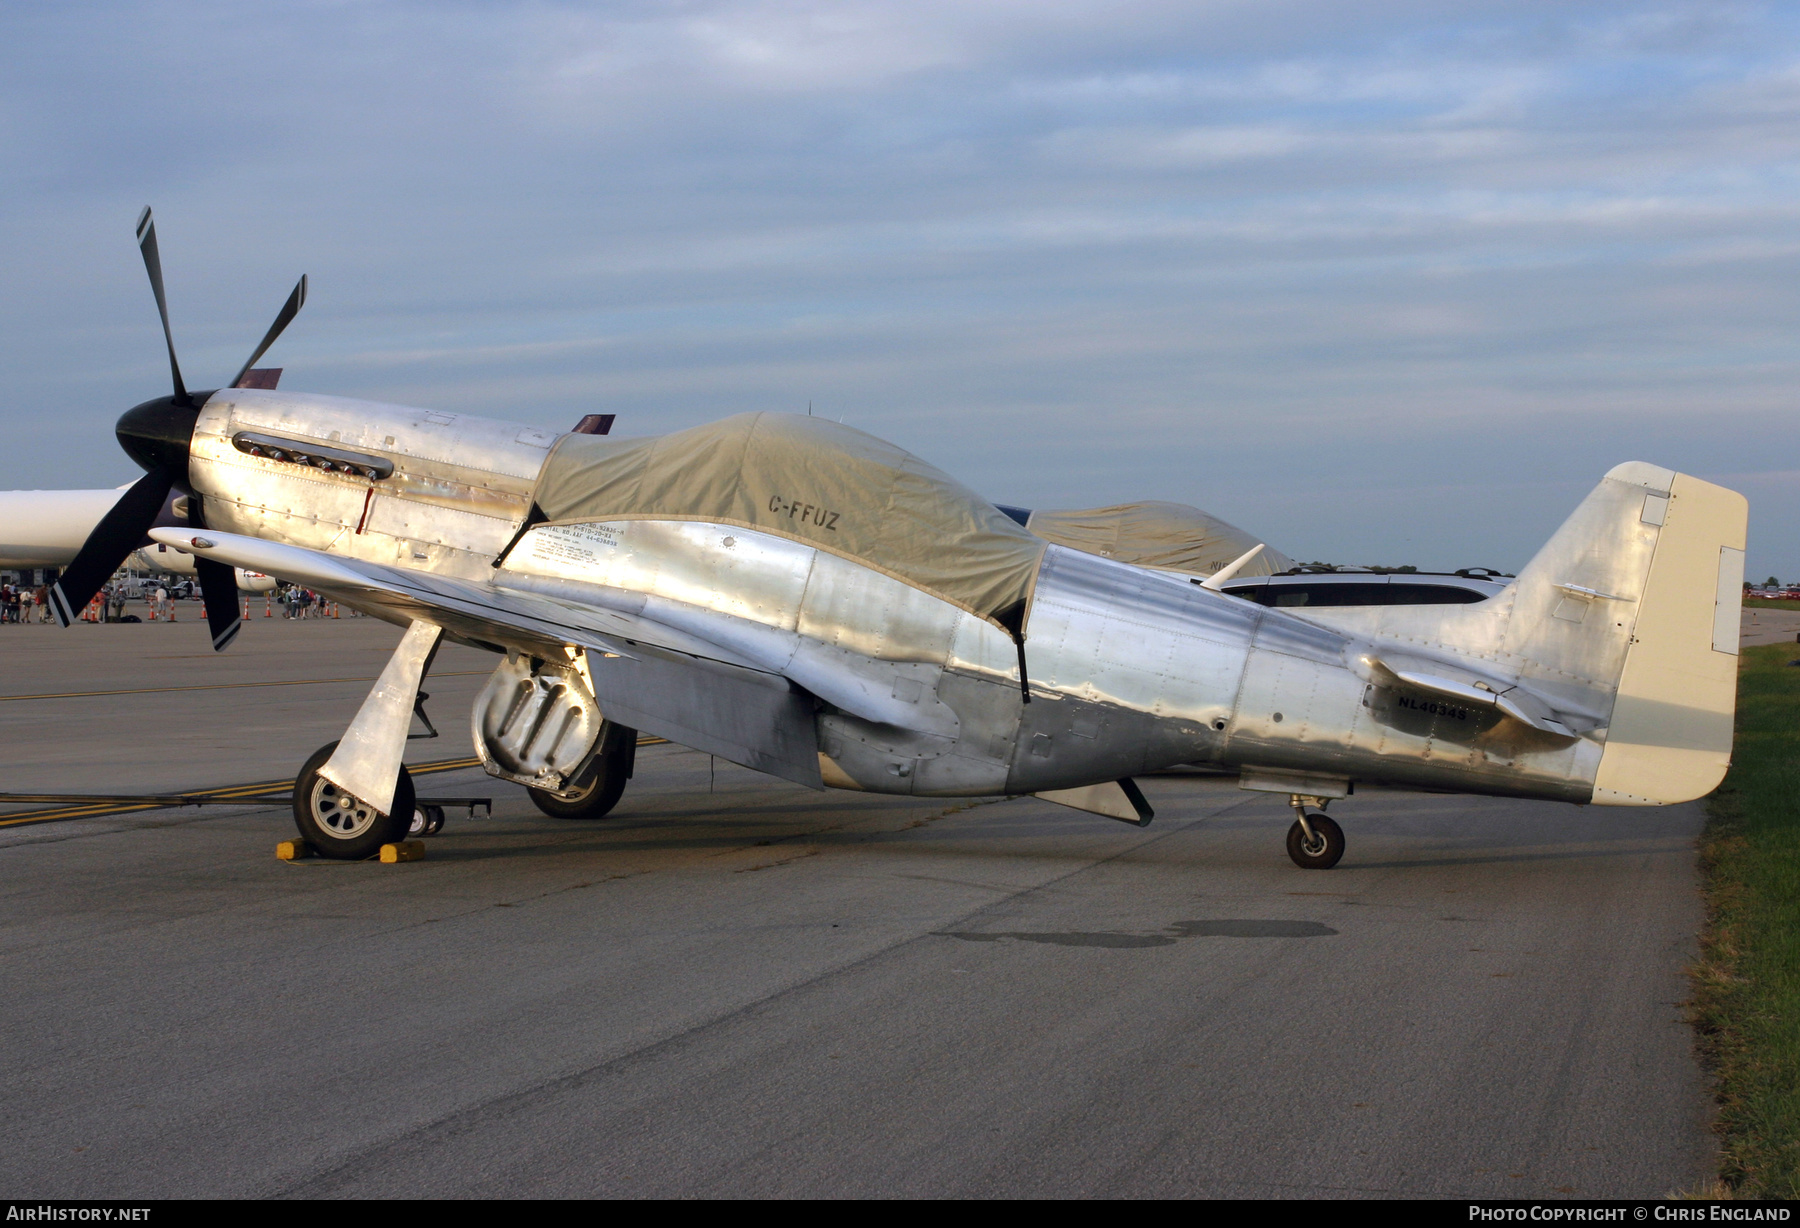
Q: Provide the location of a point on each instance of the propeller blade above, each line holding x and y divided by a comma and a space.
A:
218, 585
119, 532
218, 588
295, 302
146, 233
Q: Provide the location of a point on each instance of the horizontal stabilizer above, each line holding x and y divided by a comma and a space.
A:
1508, 698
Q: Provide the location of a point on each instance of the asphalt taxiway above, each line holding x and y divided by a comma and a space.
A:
1769, 626
735, 986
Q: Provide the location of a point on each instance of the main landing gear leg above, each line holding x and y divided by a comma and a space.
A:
1315, 842
355, 795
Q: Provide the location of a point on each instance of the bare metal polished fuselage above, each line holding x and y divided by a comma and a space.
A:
1129, 670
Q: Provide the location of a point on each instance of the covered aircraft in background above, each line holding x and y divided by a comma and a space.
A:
1180, 538
1166, 536
810, 601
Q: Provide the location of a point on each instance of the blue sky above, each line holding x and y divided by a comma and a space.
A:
1380, 282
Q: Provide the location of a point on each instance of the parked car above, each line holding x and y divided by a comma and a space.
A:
1344, 587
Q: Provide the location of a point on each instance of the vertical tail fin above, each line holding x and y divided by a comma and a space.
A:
1631, 612
1625, 624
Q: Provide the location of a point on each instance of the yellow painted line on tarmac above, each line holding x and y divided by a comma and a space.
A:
73, 812
247, 793
218, 686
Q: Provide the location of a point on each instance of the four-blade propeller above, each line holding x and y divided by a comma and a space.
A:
156, 435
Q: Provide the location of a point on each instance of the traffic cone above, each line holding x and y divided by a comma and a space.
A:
246, 607
268, 606
334, 610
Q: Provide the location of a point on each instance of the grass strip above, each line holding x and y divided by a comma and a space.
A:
1747, 981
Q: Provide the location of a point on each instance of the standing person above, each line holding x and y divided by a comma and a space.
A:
40, 603
159, 601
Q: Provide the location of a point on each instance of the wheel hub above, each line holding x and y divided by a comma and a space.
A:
340, 813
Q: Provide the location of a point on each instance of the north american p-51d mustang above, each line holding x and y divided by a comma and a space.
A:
806, 600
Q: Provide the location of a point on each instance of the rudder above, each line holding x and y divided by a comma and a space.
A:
1669, 739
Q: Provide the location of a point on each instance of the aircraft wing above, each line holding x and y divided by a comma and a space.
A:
650, 676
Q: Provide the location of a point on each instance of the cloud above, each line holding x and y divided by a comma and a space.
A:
1312, 266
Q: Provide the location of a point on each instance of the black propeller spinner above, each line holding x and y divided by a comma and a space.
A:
157, 435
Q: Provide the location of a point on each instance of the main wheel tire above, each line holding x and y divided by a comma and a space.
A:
340, 825
597, 790
1323, 850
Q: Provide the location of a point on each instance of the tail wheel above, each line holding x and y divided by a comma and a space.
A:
426, 821
341, 825
1322, 850
594, 793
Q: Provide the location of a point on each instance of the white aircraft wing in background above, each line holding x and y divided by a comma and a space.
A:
45, 528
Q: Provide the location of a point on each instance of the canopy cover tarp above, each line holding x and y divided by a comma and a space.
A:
813, 481
1172, 536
